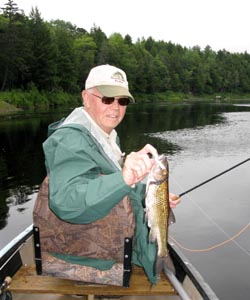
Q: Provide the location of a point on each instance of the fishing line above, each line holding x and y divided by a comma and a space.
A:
212, 178
216, 245
219, 227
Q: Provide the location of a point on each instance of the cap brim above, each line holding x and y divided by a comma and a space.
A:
114, 91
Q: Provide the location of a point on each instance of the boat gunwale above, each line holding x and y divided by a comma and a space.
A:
204, 289
7, 251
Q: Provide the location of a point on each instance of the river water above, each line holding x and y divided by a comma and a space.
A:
201, 140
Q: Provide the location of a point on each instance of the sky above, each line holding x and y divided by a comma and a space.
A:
221, 24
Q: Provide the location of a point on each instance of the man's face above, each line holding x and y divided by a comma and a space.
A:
107, 116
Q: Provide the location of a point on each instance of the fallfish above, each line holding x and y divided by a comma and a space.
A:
158, 212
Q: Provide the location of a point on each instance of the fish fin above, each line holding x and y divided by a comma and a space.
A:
151, 236
147, 187
146, 213
162, 263
171, 217
170, 264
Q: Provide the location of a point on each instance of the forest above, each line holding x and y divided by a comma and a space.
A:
48, 61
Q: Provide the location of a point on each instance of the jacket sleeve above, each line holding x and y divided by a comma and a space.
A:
83, 185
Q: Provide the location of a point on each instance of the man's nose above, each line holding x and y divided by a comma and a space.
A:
115, 104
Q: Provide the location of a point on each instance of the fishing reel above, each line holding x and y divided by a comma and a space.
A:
4, 293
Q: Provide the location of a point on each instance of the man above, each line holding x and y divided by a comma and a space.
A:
95, 198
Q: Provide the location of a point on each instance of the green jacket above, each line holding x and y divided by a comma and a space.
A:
77, 192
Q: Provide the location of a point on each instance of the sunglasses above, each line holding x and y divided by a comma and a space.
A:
124, 101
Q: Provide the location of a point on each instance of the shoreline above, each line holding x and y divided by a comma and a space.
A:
7, 108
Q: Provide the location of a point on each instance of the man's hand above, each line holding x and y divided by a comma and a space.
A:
174, 200
138, 164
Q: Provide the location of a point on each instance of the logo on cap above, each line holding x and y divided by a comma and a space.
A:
117, 76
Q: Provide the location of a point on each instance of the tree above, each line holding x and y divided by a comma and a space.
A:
84, 49
14, 48
43, 60
142, 57
122, 55
58, 55
63, 40
10, 10
100, 39
128, 40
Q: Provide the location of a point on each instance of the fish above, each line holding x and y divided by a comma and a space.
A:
158, 213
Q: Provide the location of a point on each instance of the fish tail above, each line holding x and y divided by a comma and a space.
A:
162, 263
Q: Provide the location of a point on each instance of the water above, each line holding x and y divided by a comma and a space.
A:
214, 213
201, 140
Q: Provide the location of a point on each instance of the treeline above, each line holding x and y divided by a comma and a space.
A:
56, 57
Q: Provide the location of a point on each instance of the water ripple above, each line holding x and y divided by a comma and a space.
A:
227, 138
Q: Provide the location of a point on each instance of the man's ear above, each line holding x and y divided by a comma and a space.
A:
85, 98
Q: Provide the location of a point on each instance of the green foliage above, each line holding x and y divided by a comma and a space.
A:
61, 98
25, 99
32, 98
84, 49
42, 63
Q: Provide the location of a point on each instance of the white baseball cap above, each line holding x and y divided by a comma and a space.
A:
110, 81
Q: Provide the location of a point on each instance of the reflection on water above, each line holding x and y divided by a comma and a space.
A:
17, 197
201, 140
20, 195
21, 168
230, 137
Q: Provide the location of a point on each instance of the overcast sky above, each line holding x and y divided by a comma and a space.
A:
221, 24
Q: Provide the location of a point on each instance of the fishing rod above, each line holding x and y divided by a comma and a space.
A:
210, 179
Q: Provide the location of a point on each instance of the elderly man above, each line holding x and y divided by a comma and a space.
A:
90, 207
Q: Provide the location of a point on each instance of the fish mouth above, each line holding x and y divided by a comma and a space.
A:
160, 170
161, 161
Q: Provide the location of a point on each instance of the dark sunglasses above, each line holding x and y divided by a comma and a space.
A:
109, 100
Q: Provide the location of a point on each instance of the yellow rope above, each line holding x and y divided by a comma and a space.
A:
214, 246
